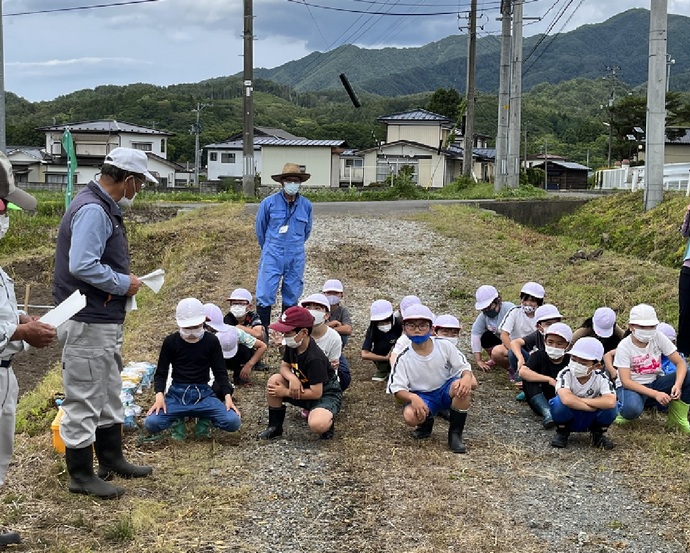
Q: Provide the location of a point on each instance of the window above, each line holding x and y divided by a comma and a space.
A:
143, 146
56, 178
213, 156
227, 158
354, 163
162, 145
386, 166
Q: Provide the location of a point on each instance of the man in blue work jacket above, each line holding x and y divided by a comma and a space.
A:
283, 225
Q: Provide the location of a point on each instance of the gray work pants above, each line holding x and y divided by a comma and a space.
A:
91, 367
8, 410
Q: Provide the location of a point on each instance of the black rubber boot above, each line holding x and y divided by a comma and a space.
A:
599, 437
264, 313
560, 438
542, 405
10, 538
111, 460
276, 417
457, 425
83, 480
284, 307
444, 414
424, 430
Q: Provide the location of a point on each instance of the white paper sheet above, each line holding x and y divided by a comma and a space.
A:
153, 280
66, 310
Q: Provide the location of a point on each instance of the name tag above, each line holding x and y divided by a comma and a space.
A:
283, 229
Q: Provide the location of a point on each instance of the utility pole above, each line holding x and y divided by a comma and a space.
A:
546, 164
467, 160
503, 99
248, 172
197, 129
3, 117
612, 77
669, 62
515, 122
656, 104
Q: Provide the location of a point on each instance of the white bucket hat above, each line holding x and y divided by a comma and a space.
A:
546, 312
603, 321
381, 310
485, 296
333, 285
533, 289
214, 317
447, 321
643, 315
562, 330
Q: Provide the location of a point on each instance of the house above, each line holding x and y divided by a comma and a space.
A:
225, 159
536, 159
94, 139
28, 163
565, 175
426, 142
319, 158
676, 146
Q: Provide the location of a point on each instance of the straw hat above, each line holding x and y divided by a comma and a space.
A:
291, 170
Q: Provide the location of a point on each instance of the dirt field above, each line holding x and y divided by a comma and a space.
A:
372, 488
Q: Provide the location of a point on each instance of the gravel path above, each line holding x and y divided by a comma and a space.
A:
316, 496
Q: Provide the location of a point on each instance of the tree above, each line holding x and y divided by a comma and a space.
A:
446, 102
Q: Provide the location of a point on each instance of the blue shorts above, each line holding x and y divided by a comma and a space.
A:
439, 399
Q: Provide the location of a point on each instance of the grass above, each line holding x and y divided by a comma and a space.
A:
390, 493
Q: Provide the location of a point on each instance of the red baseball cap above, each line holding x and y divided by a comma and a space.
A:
292, 318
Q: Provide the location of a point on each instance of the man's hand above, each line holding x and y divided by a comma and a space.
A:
35, 333
158, 404
134, 285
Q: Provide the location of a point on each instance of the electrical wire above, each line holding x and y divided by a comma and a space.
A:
81, 8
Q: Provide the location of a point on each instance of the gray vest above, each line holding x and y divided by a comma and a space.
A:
101, 307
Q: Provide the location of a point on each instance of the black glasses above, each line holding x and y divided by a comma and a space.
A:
424, 325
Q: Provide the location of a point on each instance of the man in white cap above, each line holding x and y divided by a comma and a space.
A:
15, 328
283, 225
92, 256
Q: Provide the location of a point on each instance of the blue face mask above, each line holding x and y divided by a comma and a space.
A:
420, 339
291, 188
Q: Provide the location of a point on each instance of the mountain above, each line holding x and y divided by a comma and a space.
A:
584, 52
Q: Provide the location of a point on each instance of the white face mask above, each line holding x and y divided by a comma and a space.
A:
290, 342
125, 201
385, 327
333, 300
4, 225
453, 340
578, 369
238, 310
644, 335
319, 316
554, 353
191, 335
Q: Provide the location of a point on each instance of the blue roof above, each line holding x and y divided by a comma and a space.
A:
416, 115
272, 141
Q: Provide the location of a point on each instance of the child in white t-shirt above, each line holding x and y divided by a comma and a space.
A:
641, 382
429, 376
485, 332
585, 398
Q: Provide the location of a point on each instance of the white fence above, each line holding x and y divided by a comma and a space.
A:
676, 177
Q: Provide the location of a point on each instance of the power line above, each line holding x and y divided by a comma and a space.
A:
397, 14
81, 8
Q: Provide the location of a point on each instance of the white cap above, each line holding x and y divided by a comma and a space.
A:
533, 289
241, 294
129, 159
603, 322
643, 315
562, 330
446, 321
214, 317
8, 190
667, 330
546, 312
228, 342
485, 296
418, 311
588, 348
319, 299
381, 310
333, 285
189, 312
408, 301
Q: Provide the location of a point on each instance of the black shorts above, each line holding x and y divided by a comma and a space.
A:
330, 400
489, 340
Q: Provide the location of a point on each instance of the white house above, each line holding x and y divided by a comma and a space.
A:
319, 158
225, 159
28, 163
94, 139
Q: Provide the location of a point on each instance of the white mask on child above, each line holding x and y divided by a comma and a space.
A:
290, 342
529, 309
644, 336
385, 327
333, 299
578, 369
554, 353
318, 316
453, 340
191, 335
238, 310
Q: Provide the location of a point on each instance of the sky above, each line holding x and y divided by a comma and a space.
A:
179, 41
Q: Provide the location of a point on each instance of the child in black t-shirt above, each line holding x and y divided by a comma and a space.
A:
380, 338
539, 373
306, 378
191, 352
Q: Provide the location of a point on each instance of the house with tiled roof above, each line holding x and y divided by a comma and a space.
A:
94, 139
676, 146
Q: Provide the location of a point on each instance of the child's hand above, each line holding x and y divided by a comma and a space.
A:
461, 387
421, 411
276, 390
662, 398
158, 404
483, 365
230, 405
675, 392
295, 388
246, 371
276, 338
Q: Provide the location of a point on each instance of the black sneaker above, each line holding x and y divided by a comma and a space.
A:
599, 439
261, 367
560, 439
